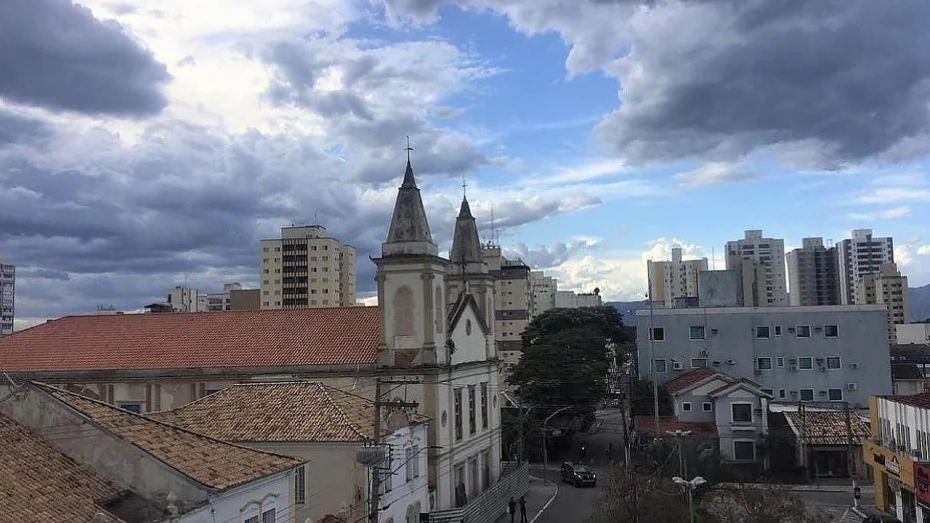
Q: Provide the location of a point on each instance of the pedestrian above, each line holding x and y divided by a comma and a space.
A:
610, 453
522, 509
584, 451
512, 507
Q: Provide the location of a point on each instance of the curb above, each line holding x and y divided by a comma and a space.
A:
793, 488
551, 499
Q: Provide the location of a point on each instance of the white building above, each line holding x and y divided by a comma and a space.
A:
7, 297
573, 300
218, 301
911, 333
860, 255
184, 299
770, 254
542, 289
675, 278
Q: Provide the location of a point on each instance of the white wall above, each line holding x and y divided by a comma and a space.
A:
254, 499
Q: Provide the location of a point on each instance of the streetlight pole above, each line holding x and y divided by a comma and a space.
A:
690, 486
545, 450
652, 350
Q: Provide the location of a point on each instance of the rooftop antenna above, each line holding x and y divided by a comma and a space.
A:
713, 258
492, 224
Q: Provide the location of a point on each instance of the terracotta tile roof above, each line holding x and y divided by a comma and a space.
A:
293, 337
731, 382
916, 400
40, 484
279, 412
671, 423
687, 379
207, 461
828, 428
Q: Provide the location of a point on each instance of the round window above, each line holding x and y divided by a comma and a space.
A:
468, 327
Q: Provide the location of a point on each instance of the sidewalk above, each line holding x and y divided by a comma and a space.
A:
538, 499
866, 489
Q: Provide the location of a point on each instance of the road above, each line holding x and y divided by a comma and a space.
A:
575, 505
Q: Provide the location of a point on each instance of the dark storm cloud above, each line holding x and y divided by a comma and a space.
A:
20, 129
55, 54
848, 78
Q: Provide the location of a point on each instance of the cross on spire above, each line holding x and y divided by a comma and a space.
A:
464, 187
408, 149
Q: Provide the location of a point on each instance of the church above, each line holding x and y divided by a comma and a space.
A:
430, 342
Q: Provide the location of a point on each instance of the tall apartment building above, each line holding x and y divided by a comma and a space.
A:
512, 304
7, 297
674, 278
184, 299
306, 268
813, 274
860, 255
886, 287
543, 289
769, 253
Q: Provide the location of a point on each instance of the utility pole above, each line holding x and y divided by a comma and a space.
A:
520, 430
652, 350
850, 464
374, 496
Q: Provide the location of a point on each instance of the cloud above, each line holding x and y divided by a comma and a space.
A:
887, 214
907, 187
712, 174
57, 55
544, 257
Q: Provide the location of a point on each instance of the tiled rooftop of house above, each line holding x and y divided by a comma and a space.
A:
280, 412
207, 461
687, 379
828, 428
40, 484
916, 400
671, 424
237, 339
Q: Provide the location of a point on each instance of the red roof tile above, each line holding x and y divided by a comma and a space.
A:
667, 424
917, 400
687, 379
293, 337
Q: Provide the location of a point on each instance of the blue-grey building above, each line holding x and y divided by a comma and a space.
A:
808, 354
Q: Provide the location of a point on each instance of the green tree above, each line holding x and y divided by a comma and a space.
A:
566, 355
642, 398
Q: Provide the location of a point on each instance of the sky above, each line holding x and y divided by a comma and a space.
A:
144, 145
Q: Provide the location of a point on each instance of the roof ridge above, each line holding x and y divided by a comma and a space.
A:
52, 390
345, 417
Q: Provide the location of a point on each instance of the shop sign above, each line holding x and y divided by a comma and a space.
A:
892, 466
922, 481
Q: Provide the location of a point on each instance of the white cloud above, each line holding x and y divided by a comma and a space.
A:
714, 173
887, 214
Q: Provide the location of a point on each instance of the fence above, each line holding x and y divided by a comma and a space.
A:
492, 503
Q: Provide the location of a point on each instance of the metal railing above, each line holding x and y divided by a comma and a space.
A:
488, 506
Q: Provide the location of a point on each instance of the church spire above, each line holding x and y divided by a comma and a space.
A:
466, 246
409, 232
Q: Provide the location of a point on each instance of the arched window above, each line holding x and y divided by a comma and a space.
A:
403, 312
439, 309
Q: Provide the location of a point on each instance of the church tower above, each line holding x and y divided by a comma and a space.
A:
468, 272
411, 285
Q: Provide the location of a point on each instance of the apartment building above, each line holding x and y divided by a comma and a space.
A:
573, 300
860, 255
675, 278
769, 253
898, 452
886, 287
184, 299
808, 354
306, 268
543, 289
7, 297
513, 302
813, 274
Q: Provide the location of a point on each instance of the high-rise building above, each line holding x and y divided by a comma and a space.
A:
769, 253
7, 297
860, 255
512, 302
887, 287
306, 268
543, 289
674, 278
813, 274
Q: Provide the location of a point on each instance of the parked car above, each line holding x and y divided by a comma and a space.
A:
578, 475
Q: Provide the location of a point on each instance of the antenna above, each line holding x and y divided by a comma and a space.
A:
492, 223
713, 258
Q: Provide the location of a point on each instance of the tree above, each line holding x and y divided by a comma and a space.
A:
642, 398
764, 504
634, 497
566, 355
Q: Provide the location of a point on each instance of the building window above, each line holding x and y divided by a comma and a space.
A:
472, 407
781, 394
780, 361
803, 331
131, 406
807, 394
403, 312
698, 363
657, 334
457, 393
696, 332
412, 457
770, 392
762, 333
268, 516
686, 406
835, 394
805, 363
485, 470
484, 405
831, 331
778, 330
833, 362
764, 363
300, 485
744, 450
253, 519
660, 367
742, 412
707, 406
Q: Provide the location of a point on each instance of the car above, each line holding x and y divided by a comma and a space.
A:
578, 475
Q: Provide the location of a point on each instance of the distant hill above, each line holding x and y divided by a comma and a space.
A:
919, 302
628, 309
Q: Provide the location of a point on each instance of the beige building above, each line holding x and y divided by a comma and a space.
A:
912, 333
543, 289
184, 299
859, 255
769, 253
7, 295
306, 268
675, 278
514, 303
573, 300
888, 287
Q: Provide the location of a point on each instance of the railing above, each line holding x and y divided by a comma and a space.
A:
491, 504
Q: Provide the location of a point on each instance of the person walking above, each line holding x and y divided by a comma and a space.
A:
522, 509
512, 508
610, 453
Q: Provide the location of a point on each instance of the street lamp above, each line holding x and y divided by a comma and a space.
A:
690, 486
545, 451
681, 460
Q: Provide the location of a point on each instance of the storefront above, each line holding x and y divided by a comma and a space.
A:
896, 483
922, 481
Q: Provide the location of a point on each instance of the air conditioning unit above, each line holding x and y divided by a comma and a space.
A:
716, 363
853, 366
852, 386
794, 393
793, 361
822, 392
818, 329
714, 331
731, 362
703, 353
821, 368
758, 372
677, 365
790, 329
793, 368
